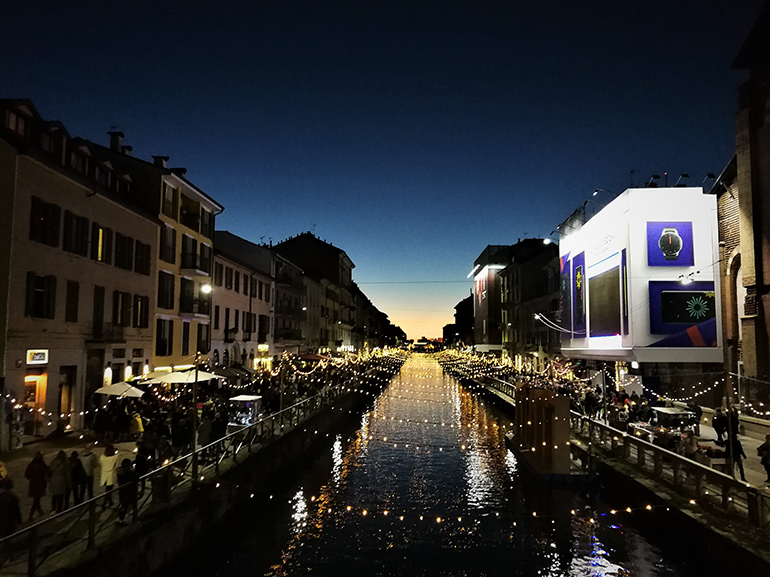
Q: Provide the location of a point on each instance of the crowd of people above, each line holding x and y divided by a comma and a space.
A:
160, 428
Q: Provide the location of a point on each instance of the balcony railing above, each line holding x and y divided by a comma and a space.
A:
230, 335
190, 219
288, 334
288, 311
105, 333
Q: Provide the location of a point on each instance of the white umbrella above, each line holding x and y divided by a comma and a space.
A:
120, 390
246, 398
183, 377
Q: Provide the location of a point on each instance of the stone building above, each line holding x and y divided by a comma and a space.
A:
79, 261
743, 190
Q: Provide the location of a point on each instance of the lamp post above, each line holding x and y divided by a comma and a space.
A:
205, 289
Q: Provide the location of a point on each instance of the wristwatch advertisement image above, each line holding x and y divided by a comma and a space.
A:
670, 244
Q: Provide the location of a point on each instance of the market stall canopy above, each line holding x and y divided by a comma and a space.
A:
120, 390
246, 398
183, 377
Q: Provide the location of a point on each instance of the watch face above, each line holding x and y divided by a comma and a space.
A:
670, 243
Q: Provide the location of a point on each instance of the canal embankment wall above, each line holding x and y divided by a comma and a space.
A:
152, 544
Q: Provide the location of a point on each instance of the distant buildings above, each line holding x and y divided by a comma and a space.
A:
114, 269
511, 284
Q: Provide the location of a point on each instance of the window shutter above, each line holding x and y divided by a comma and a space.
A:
50, 292
34, 219
108, 245
69, 224
55, 225
29, 308
94, 241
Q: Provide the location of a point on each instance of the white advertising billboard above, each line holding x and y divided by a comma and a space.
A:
640, 280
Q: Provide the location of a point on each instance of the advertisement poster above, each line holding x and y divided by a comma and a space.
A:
670, 244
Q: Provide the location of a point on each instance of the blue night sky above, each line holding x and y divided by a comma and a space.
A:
409, 134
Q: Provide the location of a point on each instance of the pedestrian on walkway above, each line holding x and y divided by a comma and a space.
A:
127, 491
37, 473
108, 464
90, 463
78, 474
688, 446
136, 426
696, 410
735, 449
10, 512
764, 453
60, 481
719, 423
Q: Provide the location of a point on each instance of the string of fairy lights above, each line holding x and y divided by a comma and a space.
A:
473, 366
330, 503
387, 363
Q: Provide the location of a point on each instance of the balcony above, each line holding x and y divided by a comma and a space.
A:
292, 312
289, 280
105, 333
230, 335
193, 264
246, 336
190, 218
288, 334
193, 306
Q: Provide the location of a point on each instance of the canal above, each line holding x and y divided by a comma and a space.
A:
424, 485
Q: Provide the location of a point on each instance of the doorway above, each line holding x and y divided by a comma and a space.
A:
35, 385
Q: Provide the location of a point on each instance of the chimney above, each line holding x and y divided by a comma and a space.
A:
116, 140
160, 161
127, 150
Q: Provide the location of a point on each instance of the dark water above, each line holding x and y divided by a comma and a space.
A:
426, 486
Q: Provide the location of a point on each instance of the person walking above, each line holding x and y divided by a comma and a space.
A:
735, 449
107, 464
60, 481
90, 464
719, 423
136, 426
127, 491
764, 454
697, 411
143, 462
78, 476
10, 512
688, 446
37, 473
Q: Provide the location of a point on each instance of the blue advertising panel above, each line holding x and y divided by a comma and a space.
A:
579, 294
670, 244
686, 312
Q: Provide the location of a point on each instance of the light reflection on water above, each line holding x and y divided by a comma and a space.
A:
426, 486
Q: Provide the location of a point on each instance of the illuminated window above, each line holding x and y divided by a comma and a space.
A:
101, 243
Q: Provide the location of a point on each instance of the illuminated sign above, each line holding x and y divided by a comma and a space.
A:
622, 272
37, 356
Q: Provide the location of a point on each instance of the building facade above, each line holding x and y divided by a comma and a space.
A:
81, 264
185, 251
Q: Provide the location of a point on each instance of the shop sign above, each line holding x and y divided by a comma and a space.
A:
37, 356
